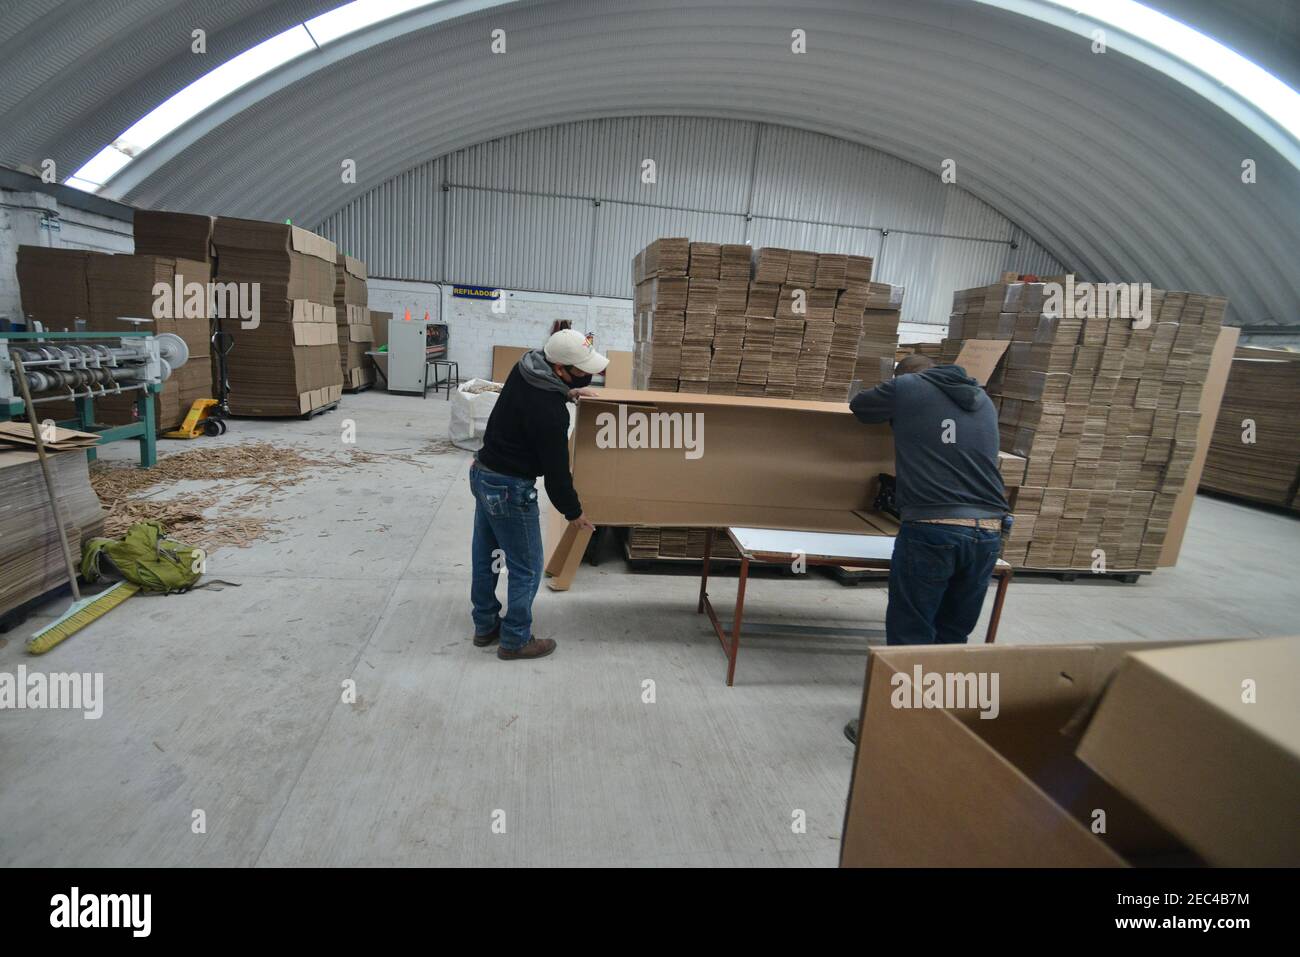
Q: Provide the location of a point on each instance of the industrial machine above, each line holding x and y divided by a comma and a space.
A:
83, 366
414, 347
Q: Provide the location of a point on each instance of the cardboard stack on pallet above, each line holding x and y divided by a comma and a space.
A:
724, 320
52, 287
877, 349
180, 235
287, 361
786, 326
123, 287
649, 543
183, 236
1255, 451
1106, 415
75, 290
351, 302
31, 559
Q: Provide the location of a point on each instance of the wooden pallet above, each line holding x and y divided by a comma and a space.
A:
855, 576
1129, 577
320, 410
19, 613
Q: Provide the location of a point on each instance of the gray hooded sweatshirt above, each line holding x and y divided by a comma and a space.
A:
945, 443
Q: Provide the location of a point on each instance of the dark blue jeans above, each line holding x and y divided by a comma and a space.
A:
507, 534
937, 580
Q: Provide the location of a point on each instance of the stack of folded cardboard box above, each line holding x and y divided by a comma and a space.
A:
1106, 415
78, 291
878, 346
287, 362
787, 324
31, 558
351, 301
122, 287
52, 285
725, 320
180, 235
1255, 451
651, 543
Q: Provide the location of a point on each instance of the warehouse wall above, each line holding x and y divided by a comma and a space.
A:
30, 218
563, 209
525, 320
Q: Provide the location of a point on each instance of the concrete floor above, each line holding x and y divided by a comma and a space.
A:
230, 701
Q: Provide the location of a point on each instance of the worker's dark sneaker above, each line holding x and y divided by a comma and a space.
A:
536, 648
851, 731
482, 641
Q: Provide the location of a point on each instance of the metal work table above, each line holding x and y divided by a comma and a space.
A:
784, 546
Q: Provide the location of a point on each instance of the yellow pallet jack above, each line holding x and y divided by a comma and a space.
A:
202, 419
208, 416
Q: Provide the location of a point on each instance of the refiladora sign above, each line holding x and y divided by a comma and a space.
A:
475, 292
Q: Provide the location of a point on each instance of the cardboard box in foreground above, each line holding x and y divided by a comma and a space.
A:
1206, 739
1146, 739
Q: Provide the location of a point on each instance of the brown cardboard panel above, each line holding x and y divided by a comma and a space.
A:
1173, 732
979, 357
379, 326
827, 466
943, 787
563, 564
1216, 381
504, 359
618, 375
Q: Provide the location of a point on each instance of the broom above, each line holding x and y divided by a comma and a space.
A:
83, 610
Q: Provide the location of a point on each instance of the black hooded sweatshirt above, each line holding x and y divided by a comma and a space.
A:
945, 443
527, 435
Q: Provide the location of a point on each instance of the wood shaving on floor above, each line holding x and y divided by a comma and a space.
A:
264, 469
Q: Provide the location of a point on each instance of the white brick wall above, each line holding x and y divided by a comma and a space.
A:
474, 328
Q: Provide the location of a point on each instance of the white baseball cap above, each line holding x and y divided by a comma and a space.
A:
568, 347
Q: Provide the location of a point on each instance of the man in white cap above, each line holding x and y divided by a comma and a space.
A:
527, 435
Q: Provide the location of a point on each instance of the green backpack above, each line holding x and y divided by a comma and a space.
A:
147, 557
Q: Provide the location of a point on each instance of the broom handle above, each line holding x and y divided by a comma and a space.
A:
45, 471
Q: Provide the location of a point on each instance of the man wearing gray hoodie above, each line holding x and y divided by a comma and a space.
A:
950, 498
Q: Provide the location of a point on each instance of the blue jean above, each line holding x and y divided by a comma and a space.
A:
507, 531
937, 580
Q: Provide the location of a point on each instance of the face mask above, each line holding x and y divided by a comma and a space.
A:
578, 379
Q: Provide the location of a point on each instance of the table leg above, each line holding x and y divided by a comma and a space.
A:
704, 569
735, 624
1004, 579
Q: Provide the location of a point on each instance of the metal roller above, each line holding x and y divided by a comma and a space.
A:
173, 351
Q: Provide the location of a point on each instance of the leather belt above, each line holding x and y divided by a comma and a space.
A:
988, 524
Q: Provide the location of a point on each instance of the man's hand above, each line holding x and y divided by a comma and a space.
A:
581, 524
585, 392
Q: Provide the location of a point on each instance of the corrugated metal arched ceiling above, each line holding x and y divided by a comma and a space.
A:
75, 74
1115, 168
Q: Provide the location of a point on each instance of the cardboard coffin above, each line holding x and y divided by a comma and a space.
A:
767, 463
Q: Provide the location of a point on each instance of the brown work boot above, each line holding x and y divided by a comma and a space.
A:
536, 648
482, 641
